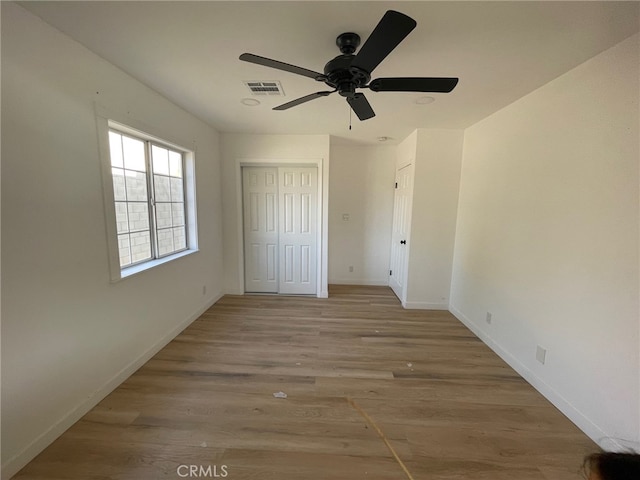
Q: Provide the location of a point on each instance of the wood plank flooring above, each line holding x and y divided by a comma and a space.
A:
449, 407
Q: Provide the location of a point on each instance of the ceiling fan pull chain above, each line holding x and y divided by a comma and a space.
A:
350, 117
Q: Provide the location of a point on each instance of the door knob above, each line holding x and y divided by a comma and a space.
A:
403, 242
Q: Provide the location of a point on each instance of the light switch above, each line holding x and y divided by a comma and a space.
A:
345, 217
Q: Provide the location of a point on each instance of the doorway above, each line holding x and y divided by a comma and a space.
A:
280, 229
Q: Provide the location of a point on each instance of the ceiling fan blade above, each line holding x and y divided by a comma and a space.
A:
390, 31
301, 100
414, 84
360, 105
267, 62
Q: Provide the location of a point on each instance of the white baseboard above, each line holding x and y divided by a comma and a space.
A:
425, 306
16, 463
351, 281
594, 432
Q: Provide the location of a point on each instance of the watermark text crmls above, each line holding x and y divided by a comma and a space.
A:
202, 471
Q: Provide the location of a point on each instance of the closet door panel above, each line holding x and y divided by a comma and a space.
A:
260, 211
298, 193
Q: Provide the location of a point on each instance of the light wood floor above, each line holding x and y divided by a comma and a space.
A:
446, 404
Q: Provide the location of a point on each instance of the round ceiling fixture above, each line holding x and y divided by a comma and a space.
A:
250, 102
383, 139
424, 100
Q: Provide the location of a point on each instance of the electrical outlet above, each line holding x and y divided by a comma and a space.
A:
541, 354
489, 318
204, 289
350, 268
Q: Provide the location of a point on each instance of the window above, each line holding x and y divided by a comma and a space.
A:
150, 196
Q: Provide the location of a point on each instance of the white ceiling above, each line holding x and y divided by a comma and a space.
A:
188, 51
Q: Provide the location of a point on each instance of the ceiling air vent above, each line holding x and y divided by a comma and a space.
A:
272, 88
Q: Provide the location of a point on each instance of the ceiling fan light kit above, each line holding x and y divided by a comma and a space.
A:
350, 71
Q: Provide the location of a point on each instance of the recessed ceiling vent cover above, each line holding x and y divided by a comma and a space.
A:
271, 88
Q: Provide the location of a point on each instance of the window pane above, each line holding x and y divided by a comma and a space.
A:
124, 250
161, 187
122, 219
179, 238
177, 194
165, 242
133, 154
175, 164
163, 215
136, 183
160, 160
115, 149
138, 216
119, 194
177, 214
140, 246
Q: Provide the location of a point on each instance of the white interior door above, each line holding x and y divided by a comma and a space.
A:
280, 229
298, 229
400, 233
260, 199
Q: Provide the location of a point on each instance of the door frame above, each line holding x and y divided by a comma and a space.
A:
322, 285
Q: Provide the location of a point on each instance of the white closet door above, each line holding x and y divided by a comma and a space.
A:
260, 198
298, 192
400, 233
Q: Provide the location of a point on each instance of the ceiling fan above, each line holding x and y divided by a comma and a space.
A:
347, 72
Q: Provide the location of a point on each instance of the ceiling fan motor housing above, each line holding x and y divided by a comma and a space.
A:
339, 73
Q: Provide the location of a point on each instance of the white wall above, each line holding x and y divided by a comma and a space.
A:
547, 241
438, 160
406, 150
247, 148
360, 186
69, 336
436, 155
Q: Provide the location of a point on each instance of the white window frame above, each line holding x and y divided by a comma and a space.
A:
116, 272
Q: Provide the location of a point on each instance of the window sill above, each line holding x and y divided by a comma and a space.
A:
130, 271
